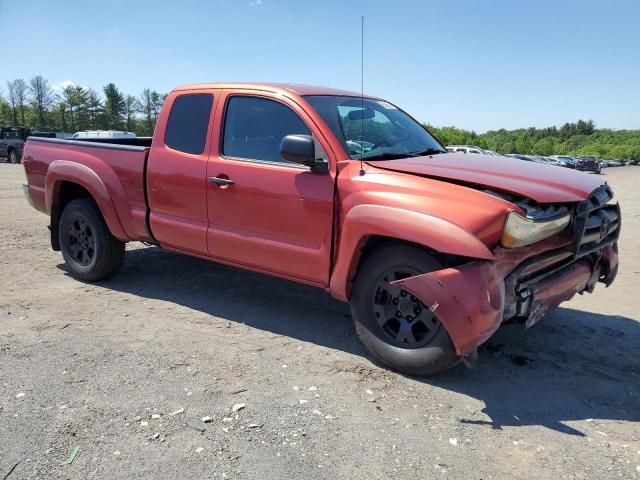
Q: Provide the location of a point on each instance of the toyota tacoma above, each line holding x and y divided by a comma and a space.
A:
348, 193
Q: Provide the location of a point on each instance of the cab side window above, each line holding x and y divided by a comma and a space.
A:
188, 123
254, 128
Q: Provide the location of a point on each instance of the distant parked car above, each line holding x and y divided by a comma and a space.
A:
613, 163
519, 156
537, 159
589, 163
472, 149
542, 159
534, 158
466, 149
495, 154
569, 162
554, 161
12, 141
64, 135
102, 134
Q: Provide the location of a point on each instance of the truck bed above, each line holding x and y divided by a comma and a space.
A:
131, 142
118, 182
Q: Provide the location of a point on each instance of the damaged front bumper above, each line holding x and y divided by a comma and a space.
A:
472, 300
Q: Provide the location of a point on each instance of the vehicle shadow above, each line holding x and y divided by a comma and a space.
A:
259, 301
573, 366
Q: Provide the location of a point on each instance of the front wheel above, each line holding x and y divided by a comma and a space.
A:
394, 325
90, 251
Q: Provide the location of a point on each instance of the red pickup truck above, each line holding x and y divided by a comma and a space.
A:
434, 250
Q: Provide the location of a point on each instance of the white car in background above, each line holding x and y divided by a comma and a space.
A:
102, 134
567, 160
472, 149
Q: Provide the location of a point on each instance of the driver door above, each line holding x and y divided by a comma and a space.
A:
266, 213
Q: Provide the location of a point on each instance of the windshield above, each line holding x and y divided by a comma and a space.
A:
377, 131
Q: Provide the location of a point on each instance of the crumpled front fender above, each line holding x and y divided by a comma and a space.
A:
468, 300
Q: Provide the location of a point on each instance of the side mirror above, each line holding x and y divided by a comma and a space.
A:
301, 149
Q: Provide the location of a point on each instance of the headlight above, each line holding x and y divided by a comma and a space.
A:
520, 231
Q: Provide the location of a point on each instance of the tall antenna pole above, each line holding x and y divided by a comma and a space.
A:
361, 93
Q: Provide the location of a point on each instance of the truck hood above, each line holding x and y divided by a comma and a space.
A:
539, 182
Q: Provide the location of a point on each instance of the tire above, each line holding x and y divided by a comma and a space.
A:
90, 251
13, 157
428, 350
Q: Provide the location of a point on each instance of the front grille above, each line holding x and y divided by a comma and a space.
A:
596, 223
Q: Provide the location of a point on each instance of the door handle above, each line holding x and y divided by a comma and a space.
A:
220, 181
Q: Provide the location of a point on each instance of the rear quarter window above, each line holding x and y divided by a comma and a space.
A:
188, 123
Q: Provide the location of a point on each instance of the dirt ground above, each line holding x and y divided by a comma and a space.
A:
126, 370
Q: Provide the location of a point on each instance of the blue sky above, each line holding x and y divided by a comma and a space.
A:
475, 64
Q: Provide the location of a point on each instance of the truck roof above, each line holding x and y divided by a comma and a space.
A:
295, 88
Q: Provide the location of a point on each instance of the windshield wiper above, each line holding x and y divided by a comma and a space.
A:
398, 155
428, 151
387, 156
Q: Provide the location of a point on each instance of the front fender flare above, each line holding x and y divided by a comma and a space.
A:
468, 300
66, 171
430, 231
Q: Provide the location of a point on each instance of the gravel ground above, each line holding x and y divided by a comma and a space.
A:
126, 370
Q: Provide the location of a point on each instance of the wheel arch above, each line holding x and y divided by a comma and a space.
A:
67, 181
367, 227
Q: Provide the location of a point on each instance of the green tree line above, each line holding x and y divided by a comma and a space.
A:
576, 139
35, 104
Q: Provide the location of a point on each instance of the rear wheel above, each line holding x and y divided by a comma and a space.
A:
88, 248
13, 157
393, 324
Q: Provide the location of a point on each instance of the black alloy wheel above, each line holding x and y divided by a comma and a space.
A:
82, 243
91, 252
395, 326
401, 316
